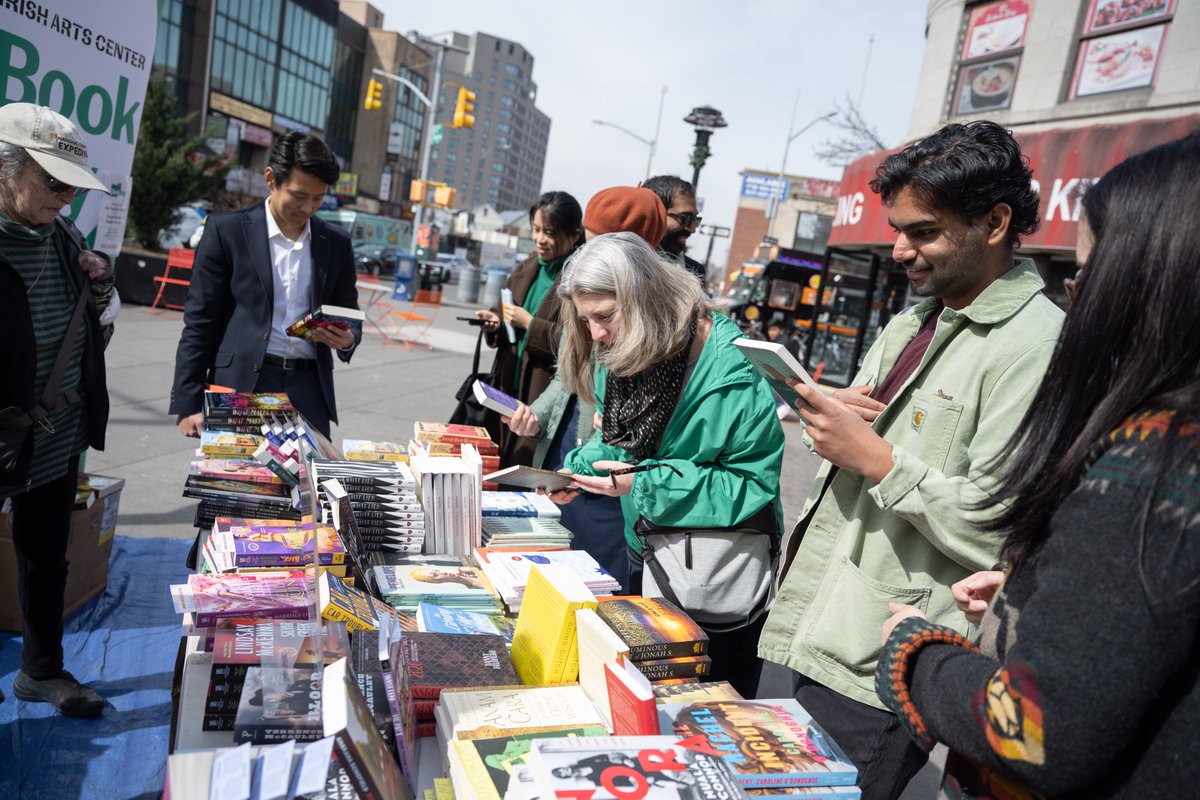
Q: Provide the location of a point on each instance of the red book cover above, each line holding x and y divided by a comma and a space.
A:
631, 701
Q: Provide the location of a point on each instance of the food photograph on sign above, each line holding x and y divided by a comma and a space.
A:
1126, 60
996, 28
987, 86
1113, 13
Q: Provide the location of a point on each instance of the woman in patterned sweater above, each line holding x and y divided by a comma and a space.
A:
1083, 679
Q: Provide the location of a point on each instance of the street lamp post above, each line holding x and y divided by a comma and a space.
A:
776, 200
652, 143
705, 119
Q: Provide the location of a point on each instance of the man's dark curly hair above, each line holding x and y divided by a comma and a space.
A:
966, 168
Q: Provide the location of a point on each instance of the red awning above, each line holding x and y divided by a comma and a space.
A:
1063, 160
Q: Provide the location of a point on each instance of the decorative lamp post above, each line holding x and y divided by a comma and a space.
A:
705, 119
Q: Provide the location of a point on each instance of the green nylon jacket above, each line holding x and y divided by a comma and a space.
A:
909, 538
724, 437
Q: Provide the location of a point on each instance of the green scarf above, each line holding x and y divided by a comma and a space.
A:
547, 274
11, 229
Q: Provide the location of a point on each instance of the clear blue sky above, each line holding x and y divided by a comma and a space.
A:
610, 61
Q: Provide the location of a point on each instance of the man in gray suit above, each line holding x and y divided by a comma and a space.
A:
256, 272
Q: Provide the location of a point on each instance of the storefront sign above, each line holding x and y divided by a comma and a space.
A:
256, 135
282, 123
236, 108
763, 187
1104, 14
996, 28
1065, 162
77, 58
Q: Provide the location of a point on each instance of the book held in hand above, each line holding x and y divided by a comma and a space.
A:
776, 364
494, 399
326, 316
531, 478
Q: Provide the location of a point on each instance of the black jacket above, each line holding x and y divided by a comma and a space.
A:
227, 319
18, 355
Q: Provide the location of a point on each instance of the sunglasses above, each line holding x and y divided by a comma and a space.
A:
58, 187
685, 218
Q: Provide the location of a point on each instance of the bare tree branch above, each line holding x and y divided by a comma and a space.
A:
858, 137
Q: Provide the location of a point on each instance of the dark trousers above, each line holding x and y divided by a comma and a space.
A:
873, 739
734, 653
303, 388
41, 524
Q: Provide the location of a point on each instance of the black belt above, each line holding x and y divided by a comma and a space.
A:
290, 364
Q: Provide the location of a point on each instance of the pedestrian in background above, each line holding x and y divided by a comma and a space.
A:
526, 367
58, 302
1082, 681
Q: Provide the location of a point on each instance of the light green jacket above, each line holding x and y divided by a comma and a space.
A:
724, 437
914, 534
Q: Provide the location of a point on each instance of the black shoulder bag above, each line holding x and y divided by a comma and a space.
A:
469, 411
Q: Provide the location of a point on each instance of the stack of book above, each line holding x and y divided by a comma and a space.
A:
384, 511
247, 545
442, 439
519, 504
544, 646
222, 497
240, 644
437, 661
508, 571
524, 532
278, 594
450, 491
664, 642
366, 450
245, 412
405, 581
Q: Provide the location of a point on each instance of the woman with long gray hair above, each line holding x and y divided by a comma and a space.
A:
689, 439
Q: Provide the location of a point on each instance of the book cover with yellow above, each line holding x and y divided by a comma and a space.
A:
544, 648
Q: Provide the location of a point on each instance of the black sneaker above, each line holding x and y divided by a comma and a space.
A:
70, 697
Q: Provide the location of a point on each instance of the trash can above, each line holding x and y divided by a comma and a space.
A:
468, 283
491, 288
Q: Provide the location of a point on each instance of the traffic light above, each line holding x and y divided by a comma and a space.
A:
416, 192
374, 98
444, 196
463, 118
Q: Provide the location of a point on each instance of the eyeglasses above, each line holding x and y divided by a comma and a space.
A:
58, 187
644, 468
685, 218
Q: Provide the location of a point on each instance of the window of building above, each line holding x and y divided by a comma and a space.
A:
452, 144
812, 232
495, 180
433, 153
510, 86
448, 171
493, 193
496, 61
492, 80
503, 127
506, 100
305, 66
513, 71
1120, 46
409, 114
993, 43
504, 114
246, 37
498, 166
451, 157
497, 45
510, 48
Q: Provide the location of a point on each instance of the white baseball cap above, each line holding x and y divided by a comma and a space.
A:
52, 141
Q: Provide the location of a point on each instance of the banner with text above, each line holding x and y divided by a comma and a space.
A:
79, 59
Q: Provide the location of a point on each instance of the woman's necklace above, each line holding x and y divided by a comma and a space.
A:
45, 263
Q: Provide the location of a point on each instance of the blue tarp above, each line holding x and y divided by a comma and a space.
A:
122, 643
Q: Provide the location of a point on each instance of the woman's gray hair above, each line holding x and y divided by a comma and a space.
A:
13, 158
658, 299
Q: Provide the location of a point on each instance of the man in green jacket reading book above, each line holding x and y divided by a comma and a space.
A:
909, 447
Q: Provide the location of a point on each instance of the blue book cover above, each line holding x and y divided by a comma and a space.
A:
440, 619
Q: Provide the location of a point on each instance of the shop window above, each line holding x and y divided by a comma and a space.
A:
1120, 46
993, 44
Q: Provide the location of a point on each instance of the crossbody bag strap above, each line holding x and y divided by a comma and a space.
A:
50, 394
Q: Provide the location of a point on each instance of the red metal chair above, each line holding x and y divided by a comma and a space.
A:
177, 258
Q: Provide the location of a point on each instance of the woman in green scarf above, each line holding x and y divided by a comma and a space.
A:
525, 367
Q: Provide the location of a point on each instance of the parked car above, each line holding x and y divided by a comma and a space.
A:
451, 265
375, 259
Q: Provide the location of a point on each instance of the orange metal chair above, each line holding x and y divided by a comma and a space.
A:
419, 316
177, 258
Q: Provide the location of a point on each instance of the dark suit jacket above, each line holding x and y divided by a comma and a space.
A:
227, 318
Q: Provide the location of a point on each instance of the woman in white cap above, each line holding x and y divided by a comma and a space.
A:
56, 300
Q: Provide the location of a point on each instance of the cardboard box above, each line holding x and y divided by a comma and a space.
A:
88, 548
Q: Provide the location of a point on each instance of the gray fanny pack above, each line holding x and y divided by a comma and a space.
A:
724, 578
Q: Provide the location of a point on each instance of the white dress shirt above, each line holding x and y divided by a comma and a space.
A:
291, 273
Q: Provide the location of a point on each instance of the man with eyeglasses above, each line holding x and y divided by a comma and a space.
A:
679, 198
58, 304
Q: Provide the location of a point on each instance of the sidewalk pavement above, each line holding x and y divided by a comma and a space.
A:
380, 394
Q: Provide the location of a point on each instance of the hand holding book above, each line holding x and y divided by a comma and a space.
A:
332, 326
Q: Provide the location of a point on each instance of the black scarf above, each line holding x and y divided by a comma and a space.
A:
637, 408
